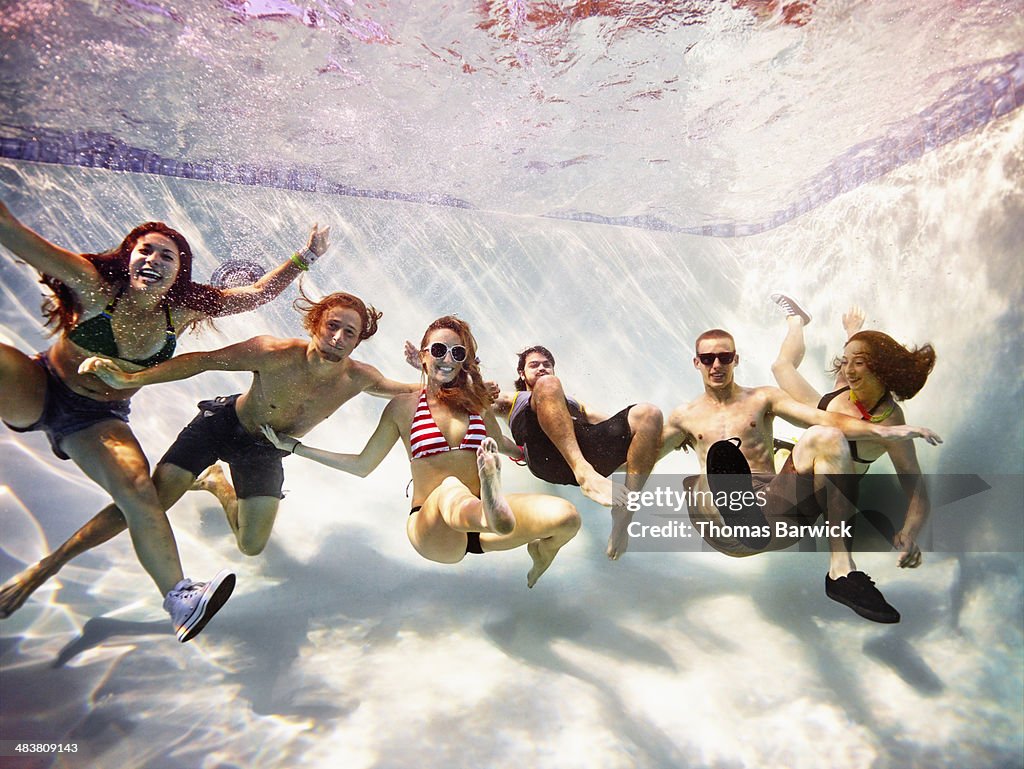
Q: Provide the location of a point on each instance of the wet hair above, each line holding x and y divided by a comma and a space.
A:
901, 370
313, 312
521, 366
713, 333
467, 392
63, 307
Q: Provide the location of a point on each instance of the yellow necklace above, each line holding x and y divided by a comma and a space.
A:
867, 412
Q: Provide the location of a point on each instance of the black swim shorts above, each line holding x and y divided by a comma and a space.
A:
604, 445
216, 433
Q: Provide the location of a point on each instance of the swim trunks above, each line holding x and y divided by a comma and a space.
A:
66, 412
604, 445
789, 496
216, 433
472, 537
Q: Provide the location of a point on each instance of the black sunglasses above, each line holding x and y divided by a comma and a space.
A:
440, 349
708, 358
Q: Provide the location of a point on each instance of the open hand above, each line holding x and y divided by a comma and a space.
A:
319, 240
853, 320
282, 442
909, 433
412, 355
910, 553
108, 371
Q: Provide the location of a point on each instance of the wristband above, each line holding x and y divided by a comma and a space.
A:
297, 261
296, 446
309, 256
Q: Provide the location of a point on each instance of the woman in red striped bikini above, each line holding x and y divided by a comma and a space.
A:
452, 440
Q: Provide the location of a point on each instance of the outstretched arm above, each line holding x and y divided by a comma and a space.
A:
802, 415
245, 298
382, 387
361, 464
73, 270
904, 460
244, 356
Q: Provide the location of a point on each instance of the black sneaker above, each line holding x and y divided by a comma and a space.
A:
858, 591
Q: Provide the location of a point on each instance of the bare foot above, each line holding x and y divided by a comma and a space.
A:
543, 552
213, 480
497, 513
597, 487
618, 542
17, 590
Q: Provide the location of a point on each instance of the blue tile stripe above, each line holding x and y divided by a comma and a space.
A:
986, 91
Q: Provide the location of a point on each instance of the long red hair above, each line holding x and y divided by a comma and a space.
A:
62, 308
902, 370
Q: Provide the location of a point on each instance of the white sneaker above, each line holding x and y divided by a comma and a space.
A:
193, 604
790, 307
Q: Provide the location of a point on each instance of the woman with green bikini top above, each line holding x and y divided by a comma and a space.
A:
127, 303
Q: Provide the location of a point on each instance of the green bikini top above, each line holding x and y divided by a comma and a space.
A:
97, 336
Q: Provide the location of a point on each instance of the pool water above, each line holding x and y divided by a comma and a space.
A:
608, 179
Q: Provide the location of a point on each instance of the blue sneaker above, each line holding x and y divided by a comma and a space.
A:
193, 604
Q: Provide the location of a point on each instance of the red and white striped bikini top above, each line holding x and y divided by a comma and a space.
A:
426, 438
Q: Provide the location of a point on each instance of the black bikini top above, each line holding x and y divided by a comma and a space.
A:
827, 398
97, 336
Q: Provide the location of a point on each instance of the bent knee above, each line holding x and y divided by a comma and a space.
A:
566, 515
452, 485
251, 548
546, 385
647, 414
825, 440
